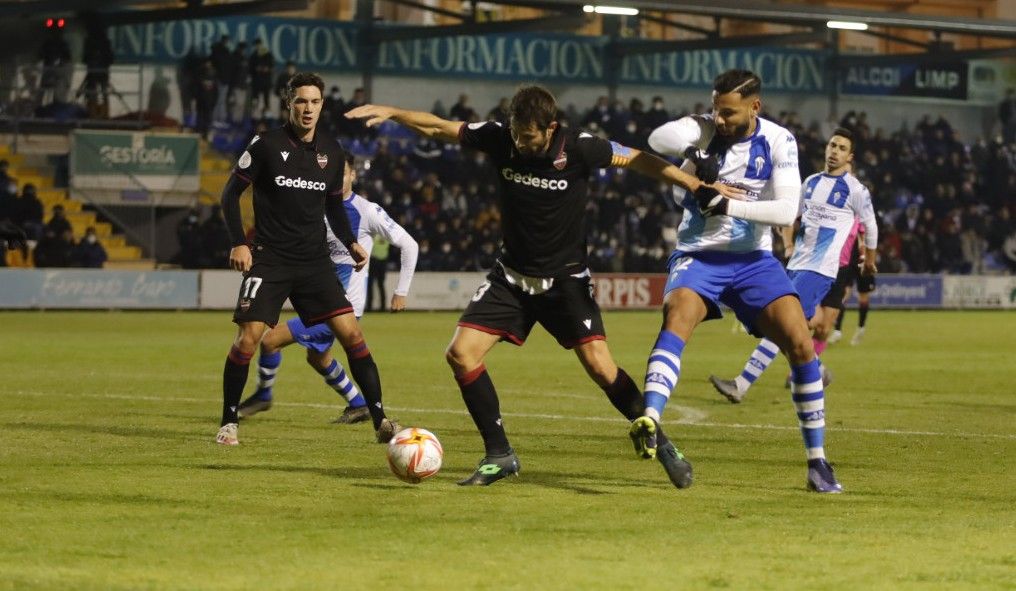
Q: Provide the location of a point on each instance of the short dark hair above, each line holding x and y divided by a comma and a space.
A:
743, 82
533, 104
845, 133
350, 159
301, 79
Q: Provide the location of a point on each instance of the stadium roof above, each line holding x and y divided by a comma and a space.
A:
800, 14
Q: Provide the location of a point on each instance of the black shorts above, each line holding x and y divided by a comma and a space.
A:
312, 287
567, 310
844, 279
865, 283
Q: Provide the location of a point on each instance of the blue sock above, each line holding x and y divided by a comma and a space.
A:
268, 364
809, 401
337, 379
760, 359
662, 372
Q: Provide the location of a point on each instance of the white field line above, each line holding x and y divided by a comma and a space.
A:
690, 416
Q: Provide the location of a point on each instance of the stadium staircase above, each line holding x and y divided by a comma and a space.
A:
35, 169
216, 167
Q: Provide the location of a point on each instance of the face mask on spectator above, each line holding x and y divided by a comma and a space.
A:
90, 239
192, 219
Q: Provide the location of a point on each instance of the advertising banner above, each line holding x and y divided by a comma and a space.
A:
904, 291
946, 80
97, 289
331, 46
628, 291
978, 291
781, 69
134, 161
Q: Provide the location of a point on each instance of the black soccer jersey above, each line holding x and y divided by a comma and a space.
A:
292, 181
543, 198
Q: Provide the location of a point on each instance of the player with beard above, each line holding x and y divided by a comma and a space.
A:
724, 255
542, 274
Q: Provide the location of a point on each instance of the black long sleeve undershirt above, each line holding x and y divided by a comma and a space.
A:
231, 193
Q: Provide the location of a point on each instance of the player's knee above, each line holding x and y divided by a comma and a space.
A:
318, 361
460, 360
821, 332
246, 342
801, 350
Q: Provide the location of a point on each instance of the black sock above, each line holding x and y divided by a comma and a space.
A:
626, 397
481, 401
364, 372
234, 378
839, 319
863, 315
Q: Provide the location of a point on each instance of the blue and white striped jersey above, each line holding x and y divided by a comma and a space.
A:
369, 220
759, 164
829, 207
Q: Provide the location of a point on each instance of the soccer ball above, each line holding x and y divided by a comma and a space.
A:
414, 454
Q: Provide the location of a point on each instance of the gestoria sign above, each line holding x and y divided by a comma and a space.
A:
112, 160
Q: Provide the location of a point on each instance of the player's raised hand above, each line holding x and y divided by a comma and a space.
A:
374, 114
240, 258
398, 303
359, 256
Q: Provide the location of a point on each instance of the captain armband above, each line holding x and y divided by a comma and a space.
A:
620, 155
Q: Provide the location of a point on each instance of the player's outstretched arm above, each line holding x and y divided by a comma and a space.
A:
425, 124
657, 168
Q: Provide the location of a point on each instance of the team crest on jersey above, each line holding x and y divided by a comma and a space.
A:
322, 160
561, 161
285, 156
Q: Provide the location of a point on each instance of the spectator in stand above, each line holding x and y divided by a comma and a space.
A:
58, 224
55, 250
500, 112
1007, 116
97, 55
656, 116
376, 273
188, 235
426, 260
461, 111
332, 110
208, 91
215, 241
281, 84
602, 115
27, 212
55, 55
239, 85
89, 253
188, 75
222, 62
262, 67
5, 177
353, 127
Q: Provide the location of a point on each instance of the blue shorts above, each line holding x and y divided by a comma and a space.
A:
811, 287
746, 282
317, 338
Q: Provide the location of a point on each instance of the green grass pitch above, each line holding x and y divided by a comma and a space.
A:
109, 477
